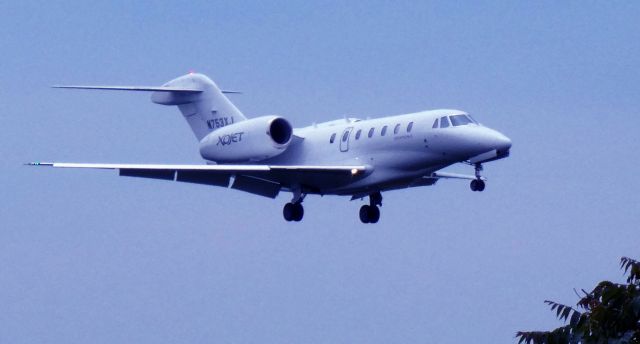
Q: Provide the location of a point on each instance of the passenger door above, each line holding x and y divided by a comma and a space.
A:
344, 139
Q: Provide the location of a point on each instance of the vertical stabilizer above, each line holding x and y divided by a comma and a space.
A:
205, 110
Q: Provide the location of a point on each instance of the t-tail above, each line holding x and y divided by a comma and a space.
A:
200, 100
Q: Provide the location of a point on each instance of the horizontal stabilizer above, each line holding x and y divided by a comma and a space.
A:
201, 102
139, 88
132, 88
149, 167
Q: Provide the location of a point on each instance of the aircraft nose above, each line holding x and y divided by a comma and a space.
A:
496, 140
503, 142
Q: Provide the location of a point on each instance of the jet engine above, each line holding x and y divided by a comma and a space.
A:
251, 140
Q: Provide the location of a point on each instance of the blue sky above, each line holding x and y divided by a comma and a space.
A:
86, 256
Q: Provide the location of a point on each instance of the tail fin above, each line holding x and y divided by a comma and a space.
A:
205, 110
202, 103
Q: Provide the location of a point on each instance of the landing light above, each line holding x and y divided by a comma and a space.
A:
354, 171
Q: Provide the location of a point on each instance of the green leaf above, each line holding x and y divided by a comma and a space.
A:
611, 314
565, 313
575, 318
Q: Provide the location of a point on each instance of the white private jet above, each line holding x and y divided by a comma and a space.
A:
347, 157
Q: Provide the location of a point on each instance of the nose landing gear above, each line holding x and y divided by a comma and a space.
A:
370, 213
478, 184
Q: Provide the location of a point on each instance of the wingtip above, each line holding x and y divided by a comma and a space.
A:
37, 163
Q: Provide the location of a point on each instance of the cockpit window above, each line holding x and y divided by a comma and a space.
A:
444, 122
435, 123
472, 119
457, 120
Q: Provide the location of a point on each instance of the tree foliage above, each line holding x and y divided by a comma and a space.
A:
609, 314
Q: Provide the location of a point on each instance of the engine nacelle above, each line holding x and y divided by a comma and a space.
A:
251, 140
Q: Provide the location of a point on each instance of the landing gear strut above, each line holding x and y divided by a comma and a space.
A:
370, 213
477, 184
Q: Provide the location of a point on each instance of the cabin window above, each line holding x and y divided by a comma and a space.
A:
384, 130
435, 124
444, 122
396, 129
333, 138
345, 136
409, 127
358, 134
371, 132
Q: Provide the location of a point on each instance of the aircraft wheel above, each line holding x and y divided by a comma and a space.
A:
298, 212
288, 212
373, 214
477, 185
364, 213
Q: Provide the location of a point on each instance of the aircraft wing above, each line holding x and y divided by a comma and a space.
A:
264, 180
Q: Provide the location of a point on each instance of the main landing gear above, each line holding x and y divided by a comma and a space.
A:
370, 213
477, 184
293, 211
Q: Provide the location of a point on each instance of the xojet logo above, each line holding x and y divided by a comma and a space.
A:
229, 139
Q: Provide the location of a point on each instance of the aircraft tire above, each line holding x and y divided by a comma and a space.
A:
373, 214
364, 213
477, 185
288, 212
298, 212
